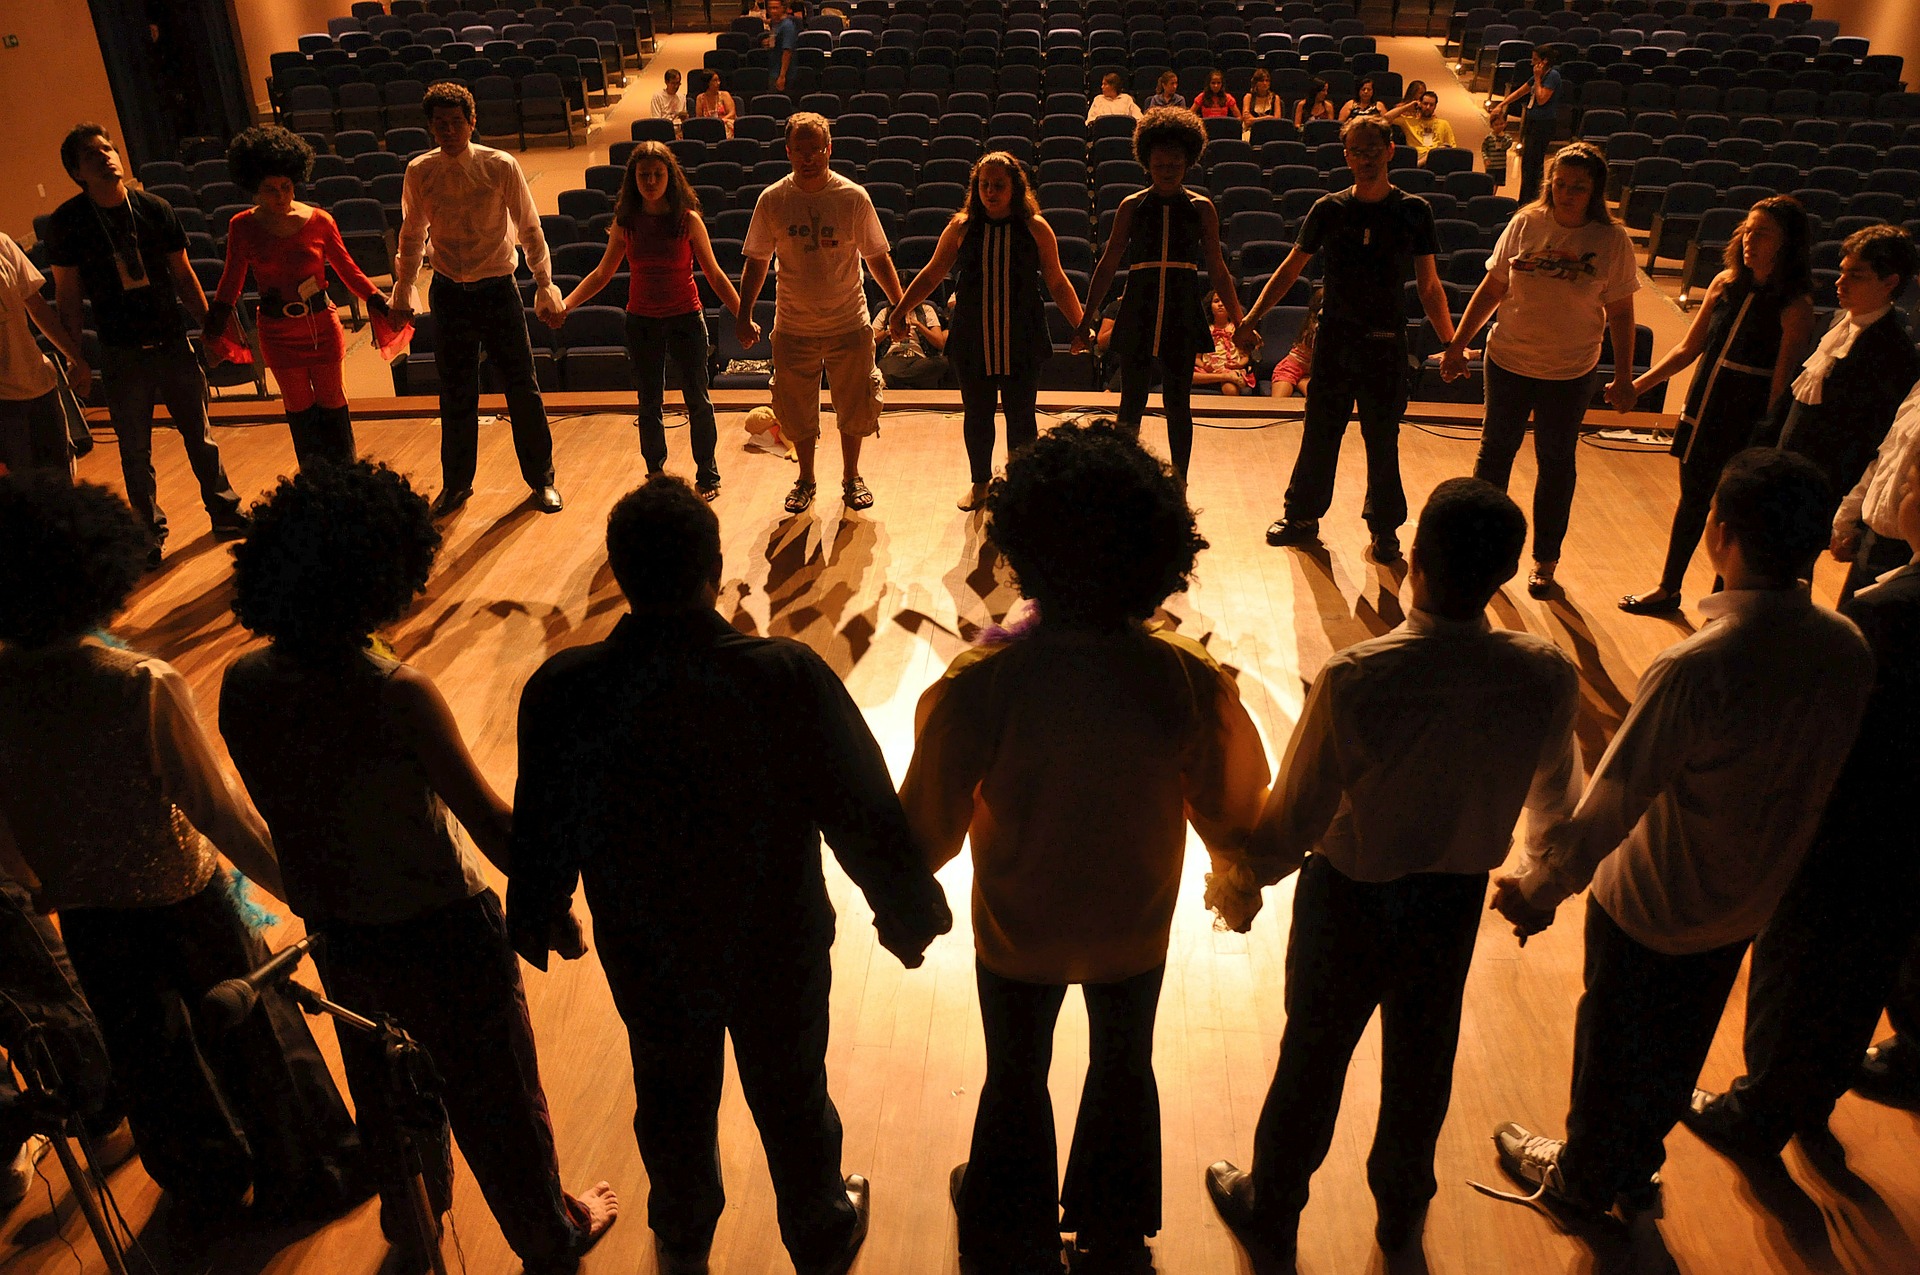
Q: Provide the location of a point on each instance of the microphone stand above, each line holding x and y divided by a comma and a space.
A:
405, 1059
36, 1066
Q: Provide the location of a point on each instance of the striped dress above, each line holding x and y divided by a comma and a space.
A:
1160, 315
999, 320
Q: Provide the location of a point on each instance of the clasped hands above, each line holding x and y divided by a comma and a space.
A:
1512, 903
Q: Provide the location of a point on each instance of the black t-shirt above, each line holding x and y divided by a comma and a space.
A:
92, 239
1367, 252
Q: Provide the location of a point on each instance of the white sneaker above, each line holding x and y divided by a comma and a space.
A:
18, 1178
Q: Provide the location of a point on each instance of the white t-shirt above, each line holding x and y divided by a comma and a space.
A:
669, 106
816, 241
1104, 105
24, 371
1559, 282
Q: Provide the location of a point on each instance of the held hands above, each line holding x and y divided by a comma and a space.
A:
1082, 341
1233, 896
399, 313
1246, 335
909, 943
79, 378
1453, 362
1509, 901
746, 331
567, 938
897, 326
1845, 546
1622, 394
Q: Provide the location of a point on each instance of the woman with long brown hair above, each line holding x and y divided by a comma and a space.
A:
1562, 276
1749, 334
1004, 250
657, 231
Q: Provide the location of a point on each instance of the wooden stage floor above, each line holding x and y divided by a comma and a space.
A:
888, 597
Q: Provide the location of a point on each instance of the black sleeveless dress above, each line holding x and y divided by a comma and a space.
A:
1735, 376
999, 320
1160, 314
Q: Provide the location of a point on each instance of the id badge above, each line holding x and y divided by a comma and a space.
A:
128, 280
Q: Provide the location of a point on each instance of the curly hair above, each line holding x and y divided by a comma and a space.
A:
1778, 506
682, 202
1886, 250
1098, 532
1792, 275
1171, 127
447, 93
337, 552
268, 151
74, 553
1468, 542
663, 543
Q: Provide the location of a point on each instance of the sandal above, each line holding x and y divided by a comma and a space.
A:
1540, 580
800, 497
976, 498
1648, 604
854, 492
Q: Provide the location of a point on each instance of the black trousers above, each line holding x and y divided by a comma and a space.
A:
452, 982
1536, 135
1176, 400
1400, 946
1016, 397
1903, 1001
471, 317
33, 434
1557, 409
650, 342
1009, 1209
1353, 370
1825, 966
170, 373
38, 982
212, 1113
677, 1029
1644, 1027
1876, 556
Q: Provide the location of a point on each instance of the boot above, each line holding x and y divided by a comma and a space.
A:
304, 425
335, 429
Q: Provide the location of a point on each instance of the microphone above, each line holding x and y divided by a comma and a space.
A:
228, 1003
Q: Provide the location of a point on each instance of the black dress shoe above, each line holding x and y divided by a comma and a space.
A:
449, 500
842, 1260
233, 526
956, 1182
1717, 1120
1396, 1226
546, 500
1890, 1072
1644, 604
1386, 547
1232, 1194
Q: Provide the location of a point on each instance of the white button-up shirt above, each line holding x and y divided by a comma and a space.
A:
476, 206
1875, 499
1703, 807
1417, 750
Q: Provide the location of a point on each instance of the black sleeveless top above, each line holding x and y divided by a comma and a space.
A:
999, 320
1160, 315
1735, 375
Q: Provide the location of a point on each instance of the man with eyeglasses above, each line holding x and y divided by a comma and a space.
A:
1374, 237
821, 227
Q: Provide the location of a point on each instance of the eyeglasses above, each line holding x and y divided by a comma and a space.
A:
1369, 152
807, 152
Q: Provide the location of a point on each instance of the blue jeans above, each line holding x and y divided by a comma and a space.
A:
650, 342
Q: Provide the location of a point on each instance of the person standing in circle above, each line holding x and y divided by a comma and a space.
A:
658, 233
289, 245
1003, 249
1749, 334
1167, 234
1561, 274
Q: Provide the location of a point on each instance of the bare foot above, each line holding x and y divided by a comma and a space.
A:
976, 496
603, 1207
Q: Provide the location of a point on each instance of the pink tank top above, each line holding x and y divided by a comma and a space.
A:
660, 260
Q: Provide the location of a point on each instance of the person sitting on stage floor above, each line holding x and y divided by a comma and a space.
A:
657, 766
475, 203
1830, 958
1165, 235
1690, 831
289, 246
821, 226
1412, 759
111, 793
123, 252
356, 762
1073, 753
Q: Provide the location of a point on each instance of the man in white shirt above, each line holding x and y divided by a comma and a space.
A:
1690, 830
33, 427
1866, 529
1412, 760
474, 202
670, 103
821, 227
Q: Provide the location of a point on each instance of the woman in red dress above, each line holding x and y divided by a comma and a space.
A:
289, 245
